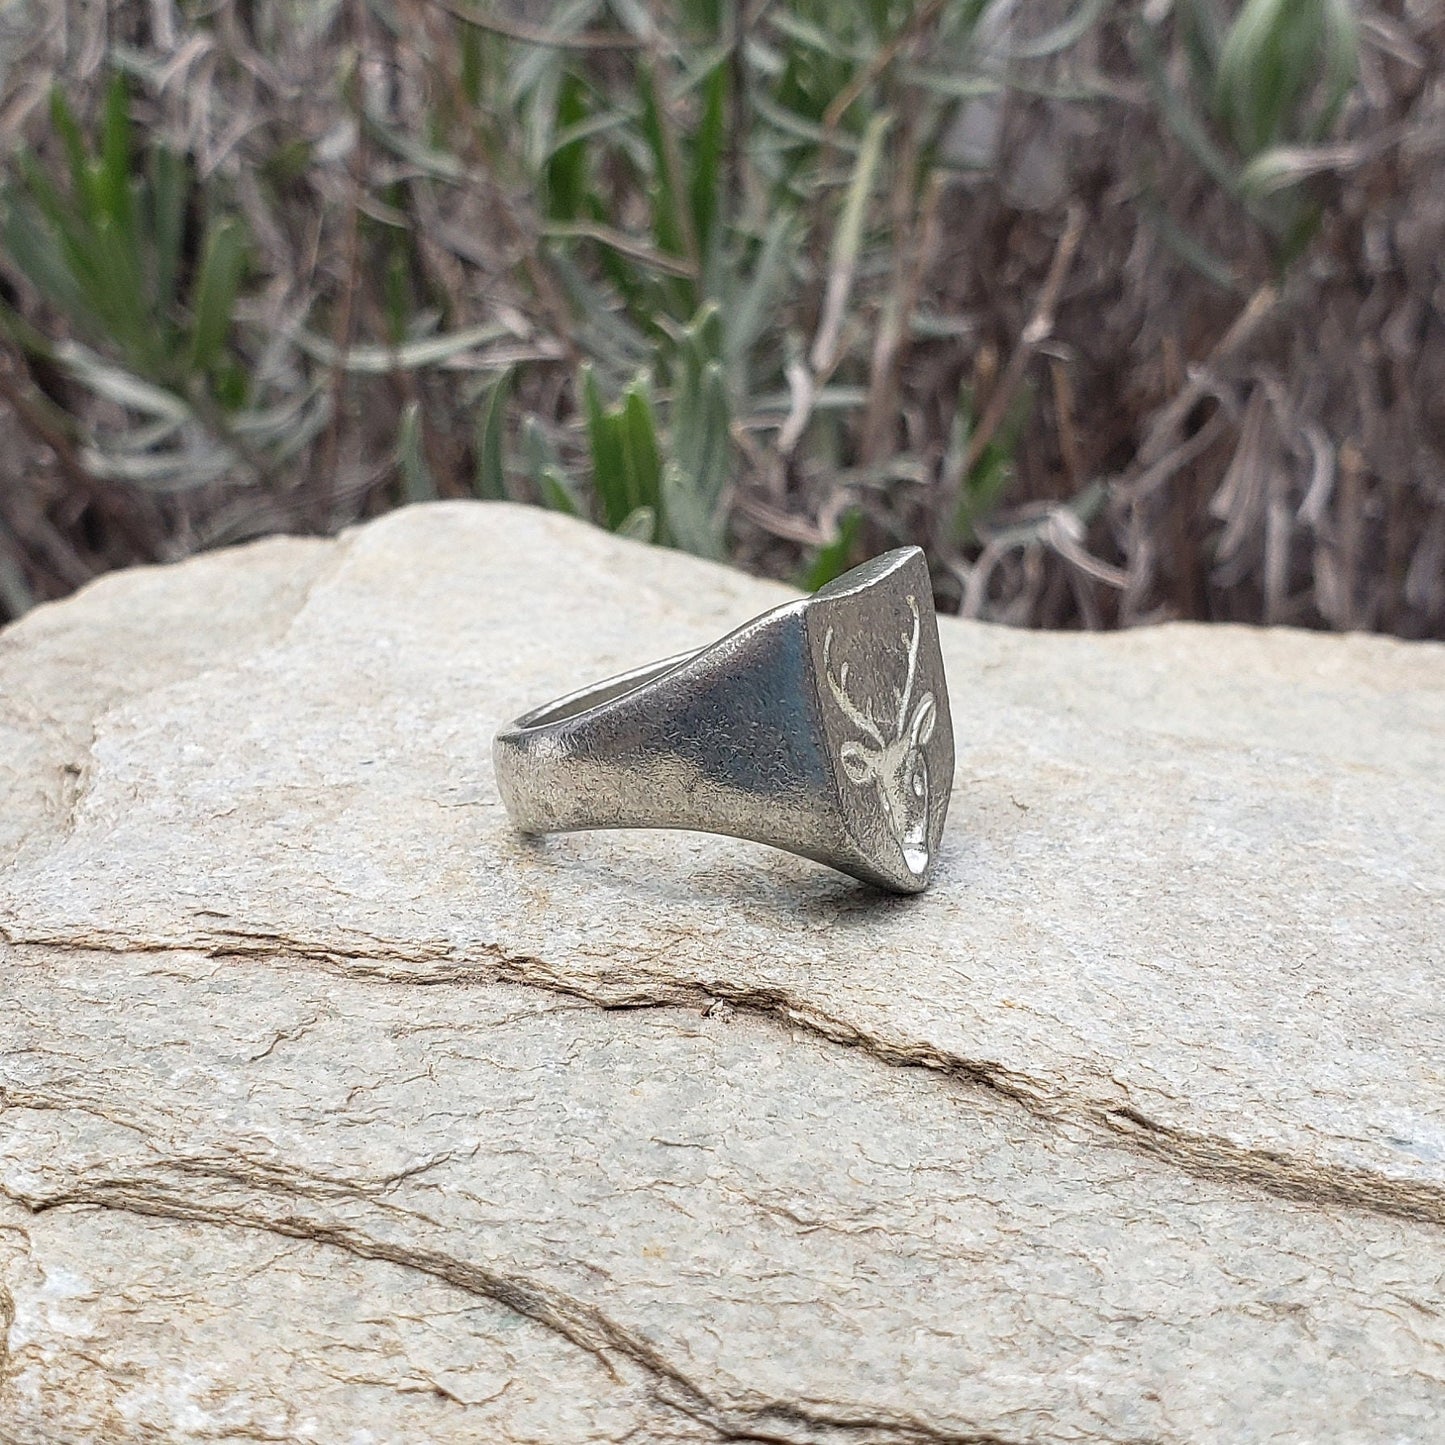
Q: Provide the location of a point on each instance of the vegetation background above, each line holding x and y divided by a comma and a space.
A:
1124, 311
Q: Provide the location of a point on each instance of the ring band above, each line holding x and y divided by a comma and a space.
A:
821, 727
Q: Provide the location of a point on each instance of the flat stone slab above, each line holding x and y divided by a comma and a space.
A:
334, 1110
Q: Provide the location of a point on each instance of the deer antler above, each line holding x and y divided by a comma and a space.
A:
863, 721
906, 695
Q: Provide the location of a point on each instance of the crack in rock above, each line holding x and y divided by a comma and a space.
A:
768, 1422
1200, 1155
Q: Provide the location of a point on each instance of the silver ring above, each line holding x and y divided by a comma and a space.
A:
821, 727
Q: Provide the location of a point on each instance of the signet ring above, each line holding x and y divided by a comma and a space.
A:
821, 727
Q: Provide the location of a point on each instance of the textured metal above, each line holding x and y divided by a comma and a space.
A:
821, 727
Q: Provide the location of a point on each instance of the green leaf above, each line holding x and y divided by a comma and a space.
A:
82, 182
396, 288
669, 228
1271, 62
707, 171
116, 292
695, 521
751, 311
703, 17
702, 452
538, 451
1202, 29
556, 492
609, 464
222, 268
113, 173
565, 177
71, 235
232, 384
169, 192
36, 187
641, 447
33, 251
834, 558
471, 68
1247, 84
491, 476
640, 525
705, 338
1342, 63
554, 487
418, 484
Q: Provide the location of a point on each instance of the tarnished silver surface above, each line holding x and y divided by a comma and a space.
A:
821, 727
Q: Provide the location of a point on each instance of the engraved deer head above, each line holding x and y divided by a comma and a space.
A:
896, 767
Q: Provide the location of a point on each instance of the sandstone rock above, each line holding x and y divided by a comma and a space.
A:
334, 1111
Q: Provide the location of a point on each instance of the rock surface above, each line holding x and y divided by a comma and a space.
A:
330, 1110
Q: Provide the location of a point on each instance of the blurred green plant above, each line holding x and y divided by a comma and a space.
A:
1266, 86
686, 269
693, 198
151, 309
659, 473
834, 558
1283, 72
712, 192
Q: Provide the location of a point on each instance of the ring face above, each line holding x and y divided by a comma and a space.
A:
821, 727
884, 706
